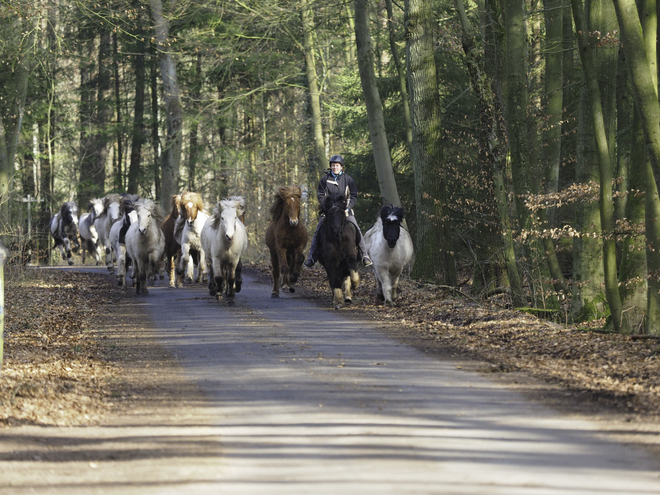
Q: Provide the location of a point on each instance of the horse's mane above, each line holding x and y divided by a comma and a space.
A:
281, 193
69, 206
235, 202
240, 205
128, 202
176, 202
95, 201
190, 197
387, 210
155, 209
107, 201
327, 202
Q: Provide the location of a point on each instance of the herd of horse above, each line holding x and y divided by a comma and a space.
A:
193, 245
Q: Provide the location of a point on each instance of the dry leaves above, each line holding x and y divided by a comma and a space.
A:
55, 370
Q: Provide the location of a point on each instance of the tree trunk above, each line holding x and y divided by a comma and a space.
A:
138, 130
492, 147
381, 150
172, 159
10, 130
604, 163
402, 76
118, 176
155, 137
643, 79
193, 138
313, 86
435, 257
92, 169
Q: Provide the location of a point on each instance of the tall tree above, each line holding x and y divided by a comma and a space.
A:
492, 146
309, 50
591, 76
172, 160
381, 150
12, 107
435, 255
138, 131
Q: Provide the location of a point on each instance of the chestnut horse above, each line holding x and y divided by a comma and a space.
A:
286, 238
172, 245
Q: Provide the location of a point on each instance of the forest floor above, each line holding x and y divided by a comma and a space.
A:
60, 368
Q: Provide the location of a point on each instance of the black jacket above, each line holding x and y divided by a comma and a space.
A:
336, 188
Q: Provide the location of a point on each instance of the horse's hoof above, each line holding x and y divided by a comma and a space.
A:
274, 294
231, 302
70, 262
337, 306
348, 301
292, 290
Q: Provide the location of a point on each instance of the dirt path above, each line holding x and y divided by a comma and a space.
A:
281, 396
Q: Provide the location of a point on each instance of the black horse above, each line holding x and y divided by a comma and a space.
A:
338, 251
64, 228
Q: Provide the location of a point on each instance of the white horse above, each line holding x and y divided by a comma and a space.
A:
224, 240
194, 218
118, 243
88, 233
112, 211
145, 243
390, 248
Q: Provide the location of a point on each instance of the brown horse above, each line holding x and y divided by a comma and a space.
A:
286, 238
191, 210
172, 246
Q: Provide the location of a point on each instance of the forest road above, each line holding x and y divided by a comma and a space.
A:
295, 398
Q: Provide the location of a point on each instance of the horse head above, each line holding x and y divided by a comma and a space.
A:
144, 210
191, 204
391, 216
113, 207
69, 213
176, 204
95, 207
228, 216
287, 203
335, 214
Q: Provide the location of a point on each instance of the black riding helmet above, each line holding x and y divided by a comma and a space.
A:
337, 159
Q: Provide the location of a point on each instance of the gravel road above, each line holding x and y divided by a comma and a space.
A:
292, 398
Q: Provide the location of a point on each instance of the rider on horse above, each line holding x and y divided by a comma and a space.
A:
335, 184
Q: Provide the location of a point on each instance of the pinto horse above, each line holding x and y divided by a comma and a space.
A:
338, 251
224, 239
191, 211
64, 228
391, 249
286, 238
88, 234
172, 244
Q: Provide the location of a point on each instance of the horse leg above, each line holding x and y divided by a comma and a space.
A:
284, 267
213, 288
296, 267
67, 247
275, 270
238, 276
386, 286
348, 297
121, 267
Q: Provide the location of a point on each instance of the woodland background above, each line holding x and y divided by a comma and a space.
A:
522, 137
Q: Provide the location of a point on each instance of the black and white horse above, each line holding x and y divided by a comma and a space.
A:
390, 248
88, 234
117, 237
64, 228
